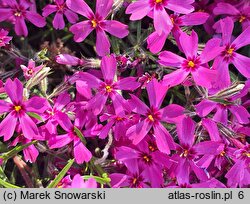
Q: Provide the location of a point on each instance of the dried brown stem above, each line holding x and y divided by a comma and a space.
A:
23, 168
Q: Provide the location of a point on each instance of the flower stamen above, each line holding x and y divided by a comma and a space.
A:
108, 88
151, 118
191, 64
119, 118
94, 23
222, 153
184, 153
134, 181
146, 158
242, 18
17, 108
230, 51
151, 148
158, 1
18, 14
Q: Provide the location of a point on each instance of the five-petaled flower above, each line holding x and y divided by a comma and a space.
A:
96, 22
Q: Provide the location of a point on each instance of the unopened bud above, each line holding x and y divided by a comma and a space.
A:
67, 59
229, 92
70, 60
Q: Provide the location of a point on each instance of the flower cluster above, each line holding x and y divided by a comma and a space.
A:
161, 101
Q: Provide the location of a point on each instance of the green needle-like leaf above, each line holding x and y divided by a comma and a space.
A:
7, 185
59, 177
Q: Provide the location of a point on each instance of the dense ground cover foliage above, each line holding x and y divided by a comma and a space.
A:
120, 93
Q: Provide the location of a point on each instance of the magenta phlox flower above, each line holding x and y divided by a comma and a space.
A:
193, 64
117, 121
18, 109
153, 116
131, 180
208, 7
61, 9
107, 88
50, 115
81, 153
206, 106
219, 160
156, 41
239, 174
67, 59
144, 156
187, 152
242, 14
30, 153
229, 54
96, 22
85, 118
4, 38
18, 10
156, 9
30, 70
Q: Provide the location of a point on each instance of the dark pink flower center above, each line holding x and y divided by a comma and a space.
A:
186, 152
152, 147
94, 23
17, 108
72, 134
146, 158
191, 64
30, 72
135, 181
222, 153
119, 119
228, 53
106, 88
50, 113
158, 3
61, 7
19, 12
175, 19
153, 115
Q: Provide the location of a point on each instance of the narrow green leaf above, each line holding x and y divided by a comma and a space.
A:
34, 115
3, 96
7, 185
104, 180
2, 175
80, 135
16, 150
221, 101
60, 176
